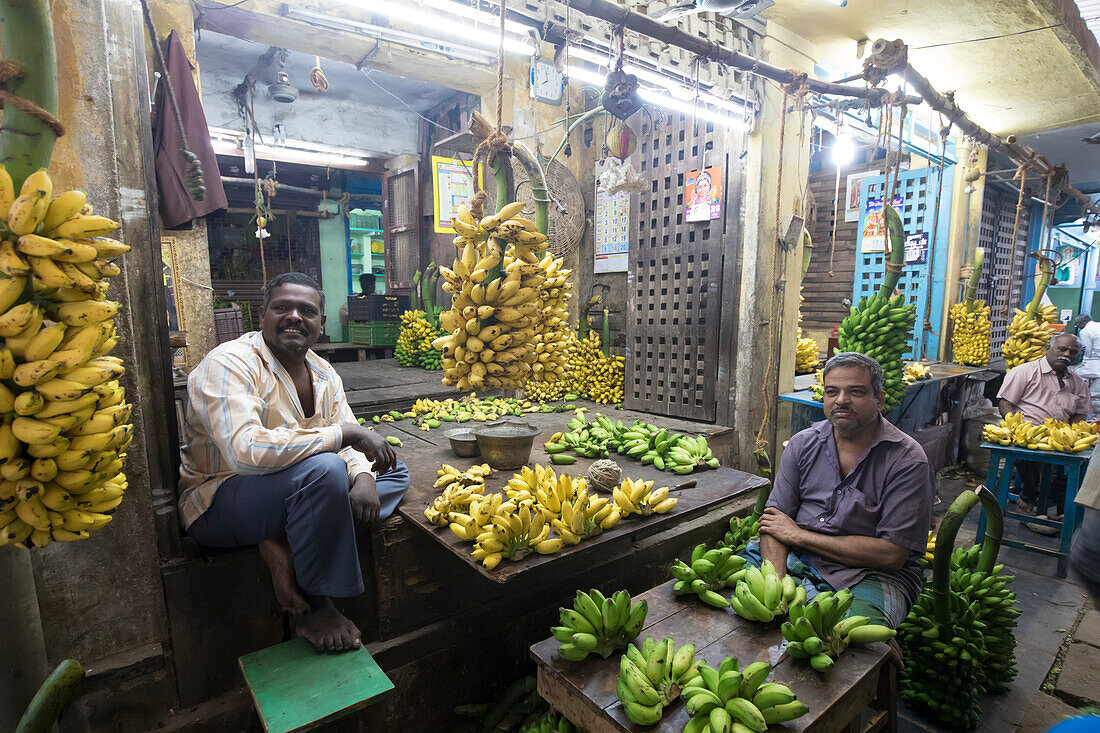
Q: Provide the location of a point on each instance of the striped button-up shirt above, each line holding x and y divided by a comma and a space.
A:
244, 418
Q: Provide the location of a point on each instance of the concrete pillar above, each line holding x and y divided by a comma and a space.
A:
966, 221
763, 263
22, 649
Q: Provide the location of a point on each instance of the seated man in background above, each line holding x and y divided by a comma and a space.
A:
851, 503
1088, 331
1040, 389
273, 456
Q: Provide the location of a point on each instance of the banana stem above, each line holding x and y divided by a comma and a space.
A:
1046, 274
565, 138
945, 545
606, 333
46, 706
501, 170
897, 251
26, 35
994, 530
975, 276
762, 497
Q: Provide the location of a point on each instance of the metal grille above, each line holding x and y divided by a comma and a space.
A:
995, 235
918, 191
675, 273
400, 216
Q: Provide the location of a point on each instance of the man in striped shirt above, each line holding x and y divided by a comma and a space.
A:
273, 456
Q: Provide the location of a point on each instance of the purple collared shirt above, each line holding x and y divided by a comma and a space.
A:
887, 495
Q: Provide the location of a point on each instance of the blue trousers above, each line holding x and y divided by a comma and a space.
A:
308, 503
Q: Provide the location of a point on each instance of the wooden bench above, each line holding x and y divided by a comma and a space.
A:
863, 677
334, 350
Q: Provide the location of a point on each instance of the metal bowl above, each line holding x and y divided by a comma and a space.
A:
463, 442
506, 444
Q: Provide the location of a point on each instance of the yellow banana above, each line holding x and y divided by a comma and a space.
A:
56, 498
11, 264
107, 388
33, 372
69, 421
33, 245
39, 180
7, 363
88, 312
64, 207
74, 460
93, 373
26, 212
28, 403
32, 431
33, 512
107, 248
49, 273
106, 268
44, 469
49, 450
7, 193
61, 390
78, 277
63, 535
45, 342
11, 290
82, 227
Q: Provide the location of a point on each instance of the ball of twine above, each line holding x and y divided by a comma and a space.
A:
604, 475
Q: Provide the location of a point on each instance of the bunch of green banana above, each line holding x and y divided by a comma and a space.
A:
734, 700
636, 497
880, 326
65, 422
598, 625
818, 630
710, 571
761, 595
518, 709
646, 442
414, 342
741, 531
997, 609
652, 677
551, 722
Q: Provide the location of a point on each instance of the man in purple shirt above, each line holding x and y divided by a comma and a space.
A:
851, 503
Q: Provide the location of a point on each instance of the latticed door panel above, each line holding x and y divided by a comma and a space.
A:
918, 191
1002, 279
400, 223
675, 272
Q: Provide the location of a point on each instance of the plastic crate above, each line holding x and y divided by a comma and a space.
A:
227, 324
365, 219
366, 308
374, 333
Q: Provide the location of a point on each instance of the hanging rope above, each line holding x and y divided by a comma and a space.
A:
836, 199
193, 179
944, 132
1021, 176
898, 151
497, 142
9, 71
317, 76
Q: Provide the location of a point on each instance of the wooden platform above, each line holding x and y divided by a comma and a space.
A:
425, 451
863, 676
379, 385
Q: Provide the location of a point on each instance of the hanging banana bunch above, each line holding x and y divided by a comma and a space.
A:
65, 422
971, 330
806, 352
495, 310
1029, 333
880, 326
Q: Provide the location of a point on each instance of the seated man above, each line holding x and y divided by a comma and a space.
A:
272, 455
1040, 389
851, 503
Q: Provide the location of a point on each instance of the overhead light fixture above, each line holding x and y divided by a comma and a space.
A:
844, 149
839, 3
407, 14
233, 142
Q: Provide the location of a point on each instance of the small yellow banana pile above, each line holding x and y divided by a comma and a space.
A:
806, 355
597, 377
1028, 336
915, 372
494, 312
585, 516
65, 420
553, 337
543, 487
640, 498
1054, 435
930, 548
459, 489
513, 533
819, 386
970, 334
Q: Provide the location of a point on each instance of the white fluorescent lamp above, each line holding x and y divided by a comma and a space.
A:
676, 89
844, 149
486, 21
703, 113
839, 3
586, 76
230, 142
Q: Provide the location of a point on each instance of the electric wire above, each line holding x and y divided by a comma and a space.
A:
993, 38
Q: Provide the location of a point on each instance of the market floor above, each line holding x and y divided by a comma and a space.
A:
1050, 607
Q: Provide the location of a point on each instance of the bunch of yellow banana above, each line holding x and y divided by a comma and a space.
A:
806, 355
543, 487
1028, 336
930, 548
1015, 429
599, 378
469, 524
915, 371
585, 516
495, 308
639, 497
1067, 438
459, 489
970, 334
553, 335
513, 532
65, 420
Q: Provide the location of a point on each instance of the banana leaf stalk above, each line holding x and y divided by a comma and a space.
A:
897, 252
501, 169
975, 276
762, 496
945, 545
50, 700
994, 530
1046, 274
414, 296
606, 333
26, 35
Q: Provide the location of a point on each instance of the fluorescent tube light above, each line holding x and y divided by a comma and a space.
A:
231, 142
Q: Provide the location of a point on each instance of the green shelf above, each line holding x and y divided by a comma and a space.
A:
361, 229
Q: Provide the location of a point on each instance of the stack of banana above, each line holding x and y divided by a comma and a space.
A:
915, 372
710, 571
513, 533
997, 609
1015, 429
414, 342
598, 625
1028, 335
970, 333
635, 497
816, 631
741, 531
553, 337
585, 517
806, 354
819, 385
494, 312
652, 677
761, 594
599, 378
66, 423
738, 700
459, 489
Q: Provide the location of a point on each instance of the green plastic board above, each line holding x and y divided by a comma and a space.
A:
297, 689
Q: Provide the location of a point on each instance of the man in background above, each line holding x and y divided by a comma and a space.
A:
1088, 331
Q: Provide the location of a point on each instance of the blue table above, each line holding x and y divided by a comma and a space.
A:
1000, 478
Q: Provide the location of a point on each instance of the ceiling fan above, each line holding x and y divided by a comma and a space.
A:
741, 9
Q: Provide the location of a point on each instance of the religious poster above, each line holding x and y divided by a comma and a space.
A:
873, 238
453, 183
851, 205
703, 194
916, 249
612, 233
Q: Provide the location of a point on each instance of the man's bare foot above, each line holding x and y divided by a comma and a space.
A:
326, 628
276, 553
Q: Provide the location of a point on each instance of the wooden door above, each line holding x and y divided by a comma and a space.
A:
676, 272
401, 226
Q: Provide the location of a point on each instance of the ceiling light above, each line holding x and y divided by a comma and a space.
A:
231, 142
698, 110
844, 149
839, 3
